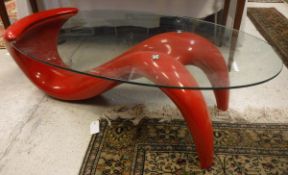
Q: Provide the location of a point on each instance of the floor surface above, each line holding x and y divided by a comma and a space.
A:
40, 135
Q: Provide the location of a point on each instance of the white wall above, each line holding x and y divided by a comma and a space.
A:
193, 8
23, 8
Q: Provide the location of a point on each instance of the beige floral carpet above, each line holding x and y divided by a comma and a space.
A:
274, 27
154, 147
266, 1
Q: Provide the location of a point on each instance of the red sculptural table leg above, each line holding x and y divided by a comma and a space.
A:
194, 110
190, 102
173, 50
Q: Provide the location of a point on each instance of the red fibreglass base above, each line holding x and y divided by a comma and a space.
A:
157, 64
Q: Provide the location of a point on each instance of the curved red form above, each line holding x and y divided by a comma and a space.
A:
39, 33
189, 48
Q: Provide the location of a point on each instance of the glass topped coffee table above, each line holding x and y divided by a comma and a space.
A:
95, 51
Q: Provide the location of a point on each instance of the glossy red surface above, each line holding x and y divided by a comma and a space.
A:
159, 58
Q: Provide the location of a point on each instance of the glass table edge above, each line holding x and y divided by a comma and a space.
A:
153, 85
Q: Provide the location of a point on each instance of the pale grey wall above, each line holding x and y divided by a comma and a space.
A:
194, 8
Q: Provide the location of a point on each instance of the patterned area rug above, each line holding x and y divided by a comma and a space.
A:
266, 1
274, 27
167, 148
11, 10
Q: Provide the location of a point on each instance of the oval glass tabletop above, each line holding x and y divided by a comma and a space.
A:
159, 50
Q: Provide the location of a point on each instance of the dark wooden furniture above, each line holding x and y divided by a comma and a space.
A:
238, 13
3, 14
34, 6
236, 25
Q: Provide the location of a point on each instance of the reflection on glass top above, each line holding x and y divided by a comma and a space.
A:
160, 50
